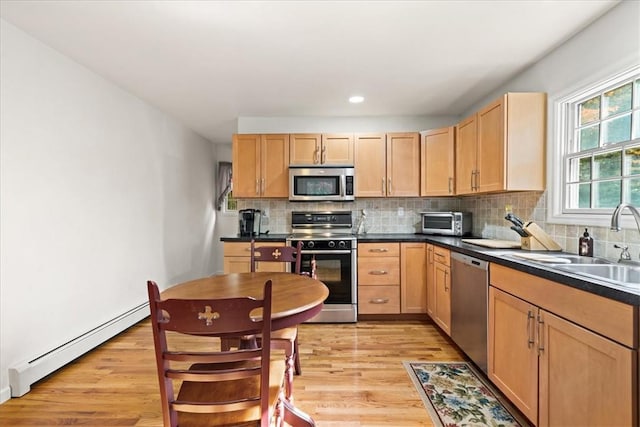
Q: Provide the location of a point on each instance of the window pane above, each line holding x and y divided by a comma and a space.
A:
579, 196
617, 100
636, 102
607, 165
632, 161
616, 130
632, 191
589, 137
579, 169
590, 110
636, 123
606, 194
584, 196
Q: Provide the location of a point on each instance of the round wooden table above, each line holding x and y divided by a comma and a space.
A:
295, 298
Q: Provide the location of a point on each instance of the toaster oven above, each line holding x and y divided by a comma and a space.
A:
446, 223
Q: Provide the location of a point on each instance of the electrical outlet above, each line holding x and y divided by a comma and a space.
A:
400, 211
508, 209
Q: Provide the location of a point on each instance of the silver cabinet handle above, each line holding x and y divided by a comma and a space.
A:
323, 156
530, 331
450, 185
379, 300
316, 156
379, 250
390, 187
446, 274
263, 187
257, 186
540, 334
383, 188
473, 173
378, 272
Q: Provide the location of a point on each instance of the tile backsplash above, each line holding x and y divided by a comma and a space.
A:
402, 215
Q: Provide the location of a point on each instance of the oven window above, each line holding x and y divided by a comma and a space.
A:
437, 222
316, 185
334, 270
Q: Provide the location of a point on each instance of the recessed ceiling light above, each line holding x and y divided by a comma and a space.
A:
356, 99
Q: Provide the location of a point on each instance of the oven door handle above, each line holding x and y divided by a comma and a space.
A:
330, 251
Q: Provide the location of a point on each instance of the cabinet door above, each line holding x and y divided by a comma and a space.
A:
437, 167
337, 149
442, 281
466, 147
403, 164
431, 287
370, 165
585, 379
491, 147
246, 165
512, 350
274, 166
305, 149
413, 278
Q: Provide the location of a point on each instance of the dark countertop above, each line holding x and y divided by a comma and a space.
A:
599, 287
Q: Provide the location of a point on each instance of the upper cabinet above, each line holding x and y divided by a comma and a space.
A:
387, 165
314, 149
438, 162
502, 146
260, 165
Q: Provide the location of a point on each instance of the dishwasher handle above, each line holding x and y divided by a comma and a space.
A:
471, 261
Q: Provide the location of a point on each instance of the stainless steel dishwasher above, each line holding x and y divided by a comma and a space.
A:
469, 302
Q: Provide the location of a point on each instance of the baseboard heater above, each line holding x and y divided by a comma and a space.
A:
22, 375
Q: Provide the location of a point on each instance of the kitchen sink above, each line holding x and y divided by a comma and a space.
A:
624, 275
549, 258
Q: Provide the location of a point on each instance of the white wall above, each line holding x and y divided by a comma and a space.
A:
342, 124
99, 193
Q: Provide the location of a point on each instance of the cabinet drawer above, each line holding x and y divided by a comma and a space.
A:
442, 255
379, 300
378, 249
244, 248
379, 271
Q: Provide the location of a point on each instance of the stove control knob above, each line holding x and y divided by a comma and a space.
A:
332, 244
311, 244
342, 244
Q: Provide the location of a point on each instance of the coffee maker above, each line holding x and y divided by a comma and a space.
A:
250, 222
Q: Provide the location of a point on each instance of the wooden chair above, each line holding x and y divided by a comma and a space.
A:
218, 388
283, 339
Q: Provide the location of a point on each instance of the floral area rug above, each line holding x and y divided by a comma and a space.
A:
455, 395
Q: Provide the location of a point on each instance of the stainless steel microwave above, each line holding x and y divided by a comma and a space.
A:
321, 184
446, 223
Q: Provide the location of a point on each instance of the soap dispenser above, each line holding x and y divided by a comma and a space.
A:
585, 244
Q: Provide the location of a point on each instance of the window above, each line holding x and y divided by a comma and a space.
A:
600, 146
230, 204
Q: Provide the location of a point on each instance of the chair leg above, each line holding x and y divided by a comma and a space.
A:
296, 353
288, 373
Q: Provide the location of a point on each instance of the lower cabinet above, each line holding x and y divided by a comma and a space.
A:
237, 258
378, 278
413, 278
556, 371
438, 279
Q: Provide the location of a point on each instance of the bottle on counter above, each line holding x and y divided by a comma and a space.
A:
585, 244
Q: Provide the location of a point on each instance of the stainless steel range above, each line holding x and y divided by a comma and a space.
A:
327, 241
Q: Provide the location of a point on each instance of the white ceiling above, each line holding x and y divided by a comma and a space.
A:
209, 62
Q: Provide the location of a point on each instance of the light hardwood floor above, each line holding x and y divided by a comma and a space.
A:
352, 375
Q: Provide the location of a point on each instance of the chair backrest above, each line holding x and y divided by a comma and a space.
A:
276, 254
202, 376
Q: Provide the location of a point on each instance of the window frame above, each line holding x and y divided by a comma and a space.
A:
564, 108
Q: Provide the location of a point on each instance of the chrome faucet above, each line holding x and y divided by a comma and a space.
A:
615, 225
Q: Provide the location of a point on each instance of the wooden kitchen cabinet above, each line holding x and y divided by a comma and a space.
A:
502, 146
260, 165
431, 288
561, 355
378, 278
237, 258
387, 165
322, 149
438, 162
441, 281
413, 278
